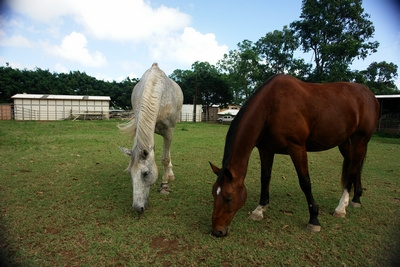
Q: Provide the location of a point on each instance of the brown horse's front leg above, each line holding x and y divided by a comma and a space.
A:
267, 159
299, 158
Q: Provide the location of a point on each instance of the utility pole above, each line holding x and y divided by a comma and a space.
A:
195, 100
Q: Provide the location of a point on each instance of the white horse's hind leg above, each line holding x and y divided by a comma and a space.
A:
257, 214
340, 211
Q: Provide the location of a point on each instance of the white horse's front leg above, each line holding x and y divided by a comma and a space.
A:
257, 214
168, 174
340, 211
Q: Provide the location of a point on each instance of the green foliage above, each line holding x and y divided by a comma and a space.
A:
202, 85
379, 77
65, 200
38, 81
277, 49
242, 70
337, 32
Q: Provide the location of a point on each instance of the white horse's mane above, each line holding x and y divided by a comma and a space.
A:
147, 111
141, 126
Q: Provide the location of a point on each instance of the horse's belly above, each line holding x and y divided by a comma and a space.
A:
325, 142
314, 147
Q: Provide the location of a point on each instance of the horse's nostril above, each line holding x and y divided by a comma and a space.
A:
138, 209
218, 233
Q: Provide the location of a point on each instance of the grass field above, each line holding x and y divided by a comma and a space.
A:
65, 200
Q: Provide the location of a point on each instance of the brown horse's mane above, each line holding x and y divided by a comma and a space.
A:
230, 136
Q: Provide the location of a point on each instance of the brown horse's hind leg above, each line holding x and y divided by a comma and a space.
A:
267, 160
353, 153
299, 158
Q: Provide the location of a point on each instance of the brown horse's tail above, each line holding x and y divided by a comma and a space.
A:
345, 177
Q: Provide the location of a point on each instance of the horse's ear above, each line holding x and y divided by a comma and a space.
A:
145, 154
215, 169
126, 151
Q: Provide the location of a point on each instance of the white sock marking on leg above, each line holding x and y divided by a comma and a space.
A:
343, 203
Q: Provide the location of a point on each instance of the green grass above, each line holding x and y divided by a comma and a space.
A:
65, 200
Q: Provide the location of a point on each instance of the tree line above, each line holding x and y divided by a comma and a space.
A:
334, 32
39, 81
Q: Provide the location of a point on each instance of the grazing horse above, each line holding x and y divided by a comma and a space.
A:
156, 103
288, 116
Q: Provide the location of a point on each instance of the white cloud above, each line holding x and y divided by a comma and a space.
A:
120, 20
189, 47
74, 48
16, 40
130, 20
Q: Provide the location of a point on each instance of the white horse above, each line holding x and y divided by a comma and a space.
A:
156, 102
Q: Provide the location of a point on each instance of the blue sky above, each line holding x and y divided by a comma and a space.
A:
114, 39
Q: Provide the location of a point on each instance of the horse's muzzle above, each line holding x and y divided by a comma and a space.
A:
220, 232
139, 208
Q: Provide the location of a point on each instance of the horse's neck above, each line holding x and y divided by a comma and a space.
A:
243, 142
144, 141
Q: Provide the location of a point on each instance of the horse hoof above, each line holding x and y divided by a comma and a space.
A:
313, 228
164, 192
164, 189
355, 204
339, 214
256, 217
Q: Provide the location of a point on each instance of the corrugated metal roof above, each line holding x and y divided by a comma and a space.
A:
387, 96
232, 112
61, 97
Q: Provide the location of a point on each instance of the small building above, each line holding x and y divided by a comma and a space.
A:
187, 113
60, 107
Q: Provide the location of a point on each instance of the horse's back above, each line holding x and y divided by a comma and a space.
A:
167, 93
320, 116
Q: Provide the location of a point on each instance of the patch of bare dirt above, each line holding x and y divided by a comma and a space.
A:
164, 246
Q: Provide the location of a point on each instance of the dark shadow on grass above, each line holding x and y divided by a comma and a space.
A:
6, 251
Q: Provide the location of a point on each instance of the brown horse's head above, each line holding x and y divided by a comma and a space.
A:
229, 196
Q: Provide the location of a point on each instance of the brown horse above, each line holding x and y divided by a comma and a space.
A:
288, 116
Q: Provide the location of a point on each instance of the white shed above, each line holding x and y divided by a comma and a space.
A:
60, 107
187, 112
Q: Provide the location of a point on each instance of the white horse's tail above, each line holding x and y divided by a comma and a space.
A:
128, 127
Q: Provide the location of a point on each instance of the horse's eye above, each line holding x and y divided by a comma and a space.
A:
145, 174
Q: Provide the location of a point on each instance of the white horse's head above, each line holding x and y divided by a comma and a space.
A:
144, 173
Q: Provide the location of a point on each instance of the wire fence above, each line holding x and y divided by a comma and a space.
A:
388, 123
26, 114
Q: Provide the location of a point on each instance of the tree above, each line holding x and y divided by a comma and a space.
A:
379, 77
336, 32
38, 81
276, 49
203, 83
186, 82
242, 70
